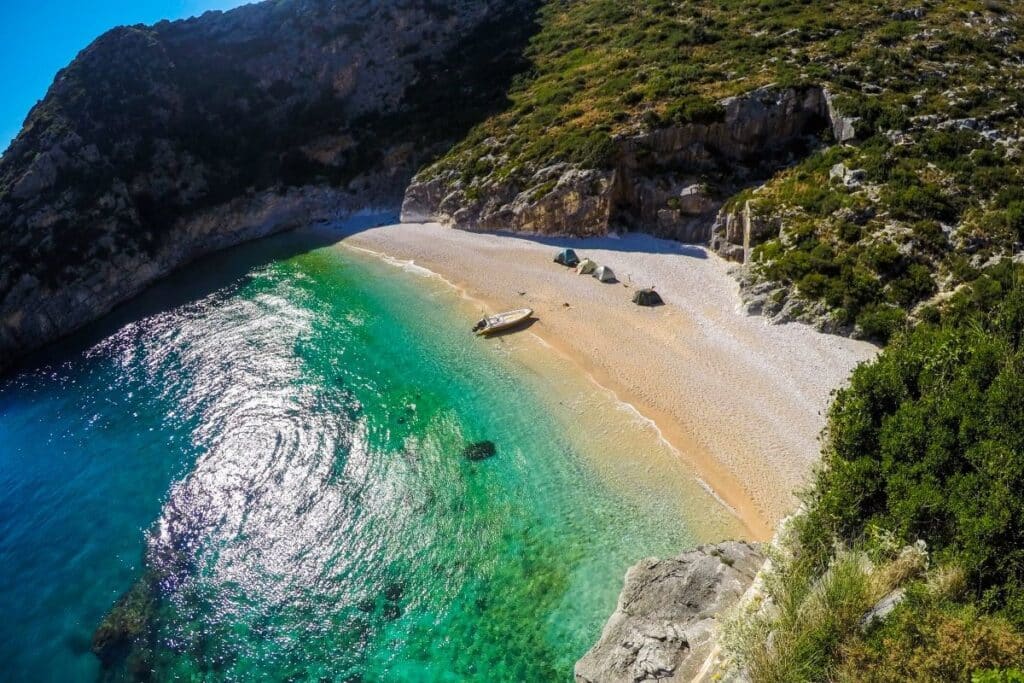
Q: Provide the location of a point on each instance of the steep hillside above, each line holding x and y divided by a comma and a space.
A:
715, 123
160, 143
623, 122
861, 160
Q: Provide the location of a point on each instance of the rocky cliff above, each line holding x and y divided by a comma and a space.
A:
160, 143
666, 621
669, 181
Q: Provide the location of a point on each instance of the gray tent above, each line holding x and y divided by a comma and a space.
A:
567, 257
604, 274
647, 297
586, 267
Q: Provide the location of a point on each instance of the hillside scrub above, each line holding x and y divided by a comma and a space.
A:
928, 441
924, 449
932, 92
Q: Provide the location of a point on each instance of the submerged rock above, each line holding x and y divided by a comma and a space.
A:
481, 450
121, 638
664, 625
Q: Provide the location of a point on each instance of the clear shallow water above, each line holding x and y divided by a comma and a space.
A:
281, 436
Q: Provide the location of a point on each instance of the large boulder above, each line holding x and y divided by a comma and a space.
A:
664, 625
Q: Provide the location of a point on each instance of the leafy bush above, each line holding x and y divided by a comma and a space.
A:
928, 440
880, 321
695, 110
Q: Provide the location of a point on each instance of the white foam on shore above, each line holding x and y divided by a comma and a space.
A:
410, 266
646, 422
762, 388
639, 417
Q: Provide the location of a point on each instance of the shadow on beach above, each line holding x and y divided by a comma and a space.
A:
631, 242
230, 268
627, 242
521, 327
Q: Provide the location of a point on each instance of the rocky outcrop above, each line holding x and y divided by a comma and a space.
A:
160, 143
665, 623
558, 199
738, 230
656, 181
844, 128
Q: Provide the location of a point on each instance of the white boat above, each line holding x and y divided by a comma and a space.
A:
502, 321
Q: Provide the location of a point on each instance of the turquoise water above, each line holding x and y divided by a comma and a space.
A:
273, 441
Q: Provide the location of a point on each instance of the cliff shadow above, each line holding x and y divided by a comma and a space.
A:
626, 242
223, 271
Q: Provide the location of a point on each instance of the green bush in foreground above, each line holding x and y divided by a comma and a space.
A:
928, 441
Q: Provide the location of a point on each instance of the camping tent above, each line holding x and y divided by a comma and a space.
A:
567, 257
604, 274
586, 267
647, 297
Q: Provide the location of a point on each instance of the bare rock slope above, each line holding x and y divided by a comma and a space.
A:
160, 143
654, 181
666, 620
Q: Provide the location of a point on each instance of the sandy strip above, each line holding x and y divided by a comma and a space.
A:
742, 400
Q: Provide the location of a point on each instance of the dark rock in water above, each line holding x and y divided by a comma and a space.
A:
394, 591
366, 606
391, 611
127, 624
481, 450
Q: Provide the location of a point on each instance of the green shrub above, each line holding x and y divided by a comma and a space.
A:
927, 641
694, 110
928, 440
880, 322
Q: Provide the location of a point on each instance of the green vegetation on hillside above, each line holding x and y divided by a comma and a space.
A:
934, 91
926, 444
604, 68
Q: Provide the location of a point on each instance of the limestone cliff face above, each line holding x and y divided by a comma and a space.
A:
160, 143
658, 181
666, 621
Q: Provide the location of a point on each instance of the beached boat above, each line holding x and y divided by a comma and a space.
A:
502, 321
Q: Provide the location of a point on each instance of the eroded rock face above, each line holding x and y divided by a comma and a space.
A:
664, 625
655, 185
559, 199
734, 233
151, 128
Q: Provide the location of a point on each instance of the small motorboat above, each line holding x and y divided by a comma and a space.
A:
502, 321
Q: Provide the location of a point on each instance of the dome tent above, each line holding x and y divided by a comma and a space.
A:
586, 267
647, 297
604, 274
567, 257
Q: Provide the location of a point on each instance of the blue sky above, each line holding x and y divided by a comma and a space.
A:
39, 37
